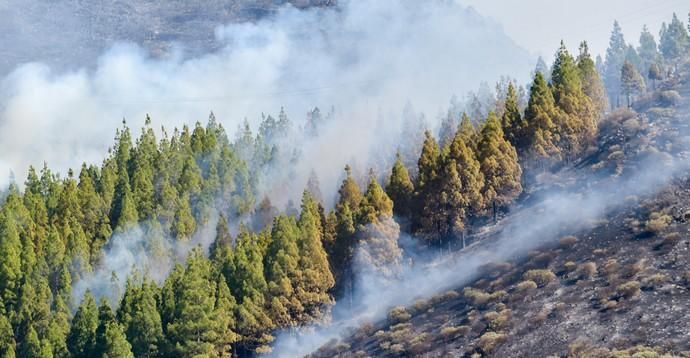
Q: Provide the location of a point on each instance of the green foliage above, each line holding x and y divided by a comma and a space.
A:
116, 345
499, 164
10, 265
81, 340
592, 84
577, 120
400, 189
541, 145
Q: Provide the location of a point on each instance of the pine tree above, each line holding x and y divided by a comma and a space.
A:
247, 281
58, 328
183, 225
448, 127
655, 74
314, 187
94, 214
224, 318
674, 41
124, 212
615, 56
10, 264
578, 120
282, 272
140, 319
7, 342
316, 278
192, 327
511, 121
82, 336
31, 346
222, 243
116, 345
427, 187
631, 82
400, 189
541, 135
349, 191
648, 49
591, 82
105, 317
375, 203
499, 165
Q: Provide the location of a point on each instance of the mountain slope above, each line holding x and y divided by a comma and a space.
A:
619, 282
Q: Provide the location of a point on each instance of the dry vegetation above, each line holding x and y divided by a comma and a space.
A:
620, 288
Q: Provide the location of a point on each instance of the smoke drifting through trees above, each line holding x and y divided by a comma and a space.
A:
529, 229
297, 59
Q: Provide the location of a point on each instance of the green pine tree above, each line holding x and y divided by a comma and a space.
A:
499, 165
81, 340
400, 189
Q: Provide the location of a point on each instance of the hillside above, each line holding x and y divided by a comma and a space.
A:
620, 282
70, 34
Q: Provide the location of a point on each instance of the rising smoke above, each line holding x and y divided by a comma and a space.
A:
365, 58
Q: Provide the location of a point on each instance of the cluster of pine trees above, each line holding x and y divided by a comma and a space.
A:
280, 270
627, 70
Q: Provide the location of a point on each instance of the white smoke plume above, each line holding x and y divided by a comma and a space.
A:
366, 58
141, 249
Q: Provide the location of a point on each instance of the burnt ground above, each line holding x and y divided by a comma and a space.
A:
599, 292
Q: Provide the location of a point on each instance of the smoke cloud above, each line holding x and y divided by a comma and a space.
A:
365, 58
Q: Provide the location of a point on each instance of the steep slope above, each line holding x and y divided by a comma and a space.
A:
598, 290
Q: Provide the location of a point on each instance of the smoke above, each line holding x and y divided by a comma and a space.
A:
365, 58
566, 211
140, 249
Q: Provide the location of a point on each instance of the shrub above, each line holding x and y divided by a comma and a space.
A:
540, 277
527, 285
398, 314
421, 305
669, 241
496, 320
452, 332
653, 281
476, 296
629, 289
587, 270
658, 222
569, 266
633, 269
611, 267
361, 354
400, 327
567, 242
599, 252
669, 98
582, 348
490, 340
443, 297
421, 338
397, 348
342, 347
